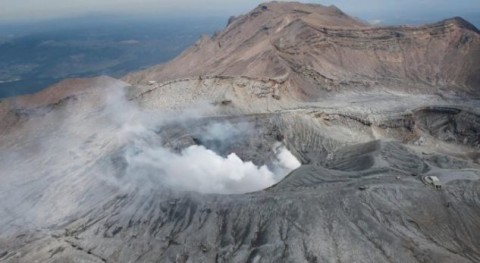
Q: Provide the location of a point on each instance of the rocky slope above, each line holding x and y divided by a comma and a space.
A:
319, 50
196, 160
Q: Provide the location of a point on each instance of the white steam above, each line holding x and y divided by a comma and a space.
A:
195, 168
63, 162
199, 169
286, 159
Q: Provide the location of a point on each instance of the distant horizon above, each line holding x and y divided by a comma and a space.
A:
386, 12
473, 18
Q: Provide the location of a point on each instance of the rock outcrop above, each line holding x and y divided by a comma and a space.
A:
320, 50
367, 111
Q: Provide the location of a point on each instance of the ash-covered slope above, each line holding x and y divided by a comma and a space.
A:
298, 134
317, 49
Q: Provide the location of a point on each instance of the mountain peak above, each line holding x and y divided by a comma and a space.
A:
292, 136
329, 15
462, 23
321, 49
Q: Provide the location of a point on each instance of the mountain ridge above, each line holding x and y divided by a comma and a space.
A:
265, 52
278, 140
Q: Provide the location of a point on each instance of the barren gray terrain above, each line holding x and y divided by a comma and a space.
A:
261, 152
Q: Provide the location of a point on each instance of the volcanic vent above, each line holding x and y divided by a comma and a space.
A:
344, 130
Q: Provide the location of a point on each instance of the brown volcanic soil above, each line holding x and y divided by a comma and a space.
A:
367, 111
321, 49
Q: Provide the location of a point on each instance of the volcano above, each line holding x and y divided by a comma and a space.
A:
298, 134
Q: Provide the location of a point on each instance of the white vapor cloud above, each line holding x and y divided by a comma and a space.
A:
286, 159
197, 168
194, 168
66, 161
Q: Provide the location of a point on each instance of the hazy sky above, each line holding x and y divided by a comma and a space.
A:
14, 10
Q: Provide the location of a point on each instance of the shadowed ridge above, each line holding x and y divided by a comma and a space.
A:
462, 23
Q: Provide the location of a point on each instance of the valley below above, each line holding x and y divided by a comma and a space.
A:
298, 134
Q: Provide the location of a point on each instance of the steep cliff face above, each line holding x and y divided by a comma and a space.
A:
322, 50
298, 134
